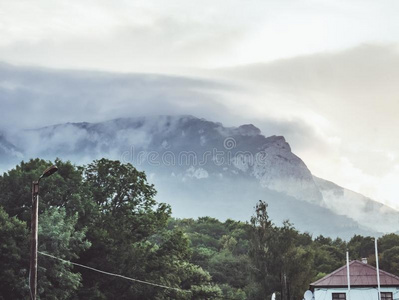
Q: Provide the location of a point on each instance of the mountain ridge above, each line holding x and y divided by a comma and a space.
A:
193, 154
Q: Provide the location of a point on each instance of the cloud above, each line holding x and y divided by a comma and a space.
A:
353, 89
34, 97
37, 97
347, 106
121, 36
337, 110
335, 103
154, 35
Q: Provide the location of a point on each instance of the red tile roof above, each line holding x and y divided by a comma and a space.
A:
361, 274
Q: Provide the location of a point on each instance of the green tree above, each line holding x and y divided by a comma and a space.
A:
329, 255
221, 249
14, 258
280, 262
389, 260
63, 189
114, 206
293, 262
388, 241
262, 233
125, 217
58, 236
129, 236
58, 231
360, 246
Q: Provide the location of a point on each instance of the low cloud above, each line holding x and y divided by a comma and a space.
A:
337, 110
34, 97
347, 106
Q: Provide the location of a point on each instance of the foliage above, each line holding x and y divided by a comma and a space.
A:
104, 215
14, 260
262, 254
59, 236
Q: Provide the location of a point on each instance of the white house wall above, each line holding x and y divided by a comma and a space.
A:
356, 293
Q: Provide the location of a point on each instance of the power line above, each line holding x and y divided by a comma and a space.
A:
124, 277
115, 275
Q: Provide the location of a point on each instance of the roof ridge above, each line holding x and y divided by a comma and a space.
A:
329, 279
375, 269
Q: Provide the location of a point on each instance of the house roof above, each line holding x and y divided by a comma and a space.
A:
361, 274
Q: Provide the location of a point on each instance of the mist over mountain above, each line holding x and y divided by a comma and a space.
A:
203, 168
8, 152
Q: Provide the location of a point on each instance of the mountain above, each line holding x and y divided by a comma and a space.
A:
8, 152
204, 168
362, 209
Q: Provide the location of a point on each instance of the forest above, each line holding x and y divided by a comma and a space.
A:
104, 216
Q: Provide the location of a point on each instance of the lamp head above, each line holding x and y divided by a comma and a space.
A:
49, 171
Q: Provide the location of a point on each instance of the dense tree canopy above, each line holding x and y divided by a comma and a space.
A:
104, 216
13, 259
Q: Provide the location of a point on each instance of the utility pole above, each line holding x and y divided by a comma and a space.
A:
378, 269
348, 274
34, 227
33, 245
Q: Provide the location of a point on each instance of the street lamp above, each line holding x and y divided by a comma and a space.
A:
34, 224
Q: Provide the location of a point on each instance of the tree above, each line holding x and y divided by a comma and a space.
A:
129, 236
281, 263
329, 255
59, 233
104, 215
222, 250
389, 260
63, 189
59, 236
111, 207
360, 246
14, 258
125, 217
388, 241
262, 233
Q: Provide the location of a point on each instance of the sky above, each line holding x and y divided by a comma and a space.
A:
322, 73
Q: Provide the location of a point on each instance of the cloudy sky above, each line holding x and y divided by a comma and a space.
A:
323, 73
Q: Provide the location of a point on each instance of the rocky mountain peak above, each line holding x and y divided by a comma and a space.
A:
200, 160
248, 129
278, 142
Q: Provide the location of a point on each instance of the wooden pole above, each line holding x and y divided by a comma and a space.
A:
378, 269
34, 238
348, 275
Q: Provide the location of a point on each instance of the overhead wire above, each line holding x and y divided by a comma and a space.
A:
113, 274
125, 277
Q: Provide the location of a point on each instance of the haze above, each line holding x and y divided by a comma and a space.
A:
322, 73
